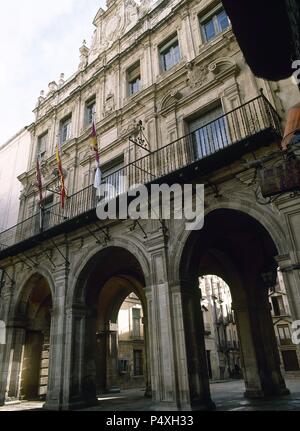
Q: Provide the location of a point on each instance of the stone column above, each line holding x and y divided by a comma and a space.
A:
148, 392
266, 345
290, 269
195, 345
290, 263
54, 400
167, 354
248, 355
261, 363
6, 349
16, 359
112, 360
74, 357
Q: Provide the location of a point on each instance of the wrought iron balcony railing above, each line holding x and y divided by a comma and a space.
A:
208, 148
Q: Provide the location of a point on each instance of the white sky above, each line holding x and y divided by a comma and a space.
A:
39, 39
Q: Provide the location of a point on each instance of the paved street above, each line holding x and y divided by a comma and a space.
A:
228, 396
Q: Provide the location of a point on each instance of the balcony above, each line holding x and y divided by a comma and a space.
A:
211, 147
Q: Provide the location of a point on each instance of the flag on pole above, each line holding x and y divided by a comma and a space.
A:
94, 146
62, 187
39, 180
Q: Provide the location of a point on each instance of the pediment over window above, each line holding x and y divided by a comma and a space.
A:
170, 99
223, 65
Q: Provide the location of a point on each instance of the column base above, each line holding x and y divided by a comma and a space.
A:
70, 406
200, 406
148, 392
208, 405
253, 394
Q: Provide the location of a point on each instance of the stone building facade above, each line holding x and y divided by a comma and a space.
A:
131, 344
174, 65
14, 156
221, 335
282, 320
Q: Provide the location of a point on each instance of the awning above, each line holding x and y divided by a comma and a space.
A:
268, 34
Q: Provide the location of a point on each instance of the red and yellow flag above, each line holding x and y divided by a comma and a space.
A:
94, 142
63, 193
39, 180
94, 146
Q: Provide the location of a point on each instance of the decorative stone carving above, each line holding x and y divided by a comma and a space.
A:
52, 87
144, 8
41, 98
61, 79
110, 105
197, 75
223, 65
131, 12
84, 56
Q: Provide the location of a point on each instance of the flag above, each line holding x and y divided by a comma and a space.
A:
98, 178
94, 146
39, 180
62, 192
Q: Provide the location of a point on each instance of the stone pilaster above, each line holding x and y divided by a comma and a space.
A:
58, 337
195, 345
169, 381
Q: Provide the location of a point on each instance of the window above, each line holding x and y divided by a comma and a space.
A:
48, 203
209, 133
113, 174
215, 25
278, 306
65, 129
90, 111
134, 79
138, 363
136, 322
290, 360
169, 54
42, 145
284, 334
123, 366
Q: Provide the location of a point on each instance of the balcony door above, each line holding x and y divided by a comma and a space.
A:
113, 175
209, 133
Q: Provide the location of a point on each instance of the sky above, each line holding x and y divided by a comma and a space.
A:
39, 40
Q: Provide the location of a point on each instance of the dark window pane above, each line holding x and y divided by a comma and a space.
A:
138, 362
209, 30
134, 86
170, 56
176, 54
223, 21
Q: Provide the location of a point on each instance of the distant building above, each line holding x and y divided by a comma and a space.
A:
131, 345
221, 336
14, 156
282, 320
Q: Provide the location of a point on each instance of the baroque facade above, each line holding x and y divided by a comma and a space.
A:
175, 66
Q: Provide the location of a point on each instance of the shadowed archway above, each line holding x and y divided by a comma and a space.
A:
238, 249
107, 279
31, 341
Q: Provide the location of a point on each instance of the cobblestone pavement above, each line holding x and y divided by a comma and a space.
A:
228, 396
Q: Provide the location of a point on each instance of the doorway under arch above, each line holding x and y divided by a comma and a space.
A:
32, 326
238, 249
100, 293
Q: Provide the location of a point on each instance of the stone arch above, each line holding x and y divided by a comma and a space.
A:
23, 292
237, 235
30, 324
130, 246
98, 291
266, 218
